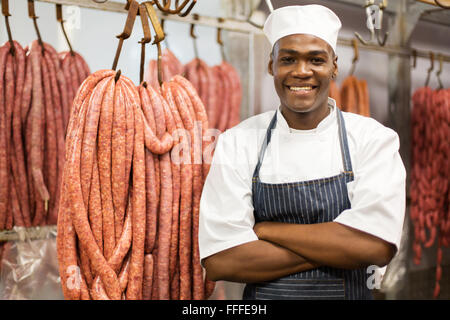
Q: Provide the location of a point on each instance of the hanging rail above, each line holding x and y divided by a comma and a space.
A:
236, 26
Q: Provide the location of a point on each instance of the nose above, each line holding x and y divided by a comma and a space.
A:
302, 70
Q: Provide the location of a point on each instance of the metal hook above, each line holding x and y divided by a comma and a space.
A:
382, 42
59, 18
441, 5
5, 11
251, 22
430, 68
165, 7
438, 73
32, 15
193, 36
414, 56
188, 10
219, 39
370, 25
159, 36
355, 56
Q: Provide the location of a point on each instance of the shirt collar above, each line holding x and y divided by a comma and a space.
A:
321, 127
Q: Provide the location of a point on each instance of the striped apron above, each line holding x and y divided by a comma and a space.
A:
307, 202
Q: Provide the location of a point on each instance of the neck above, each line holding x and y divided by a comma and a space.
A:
305, 120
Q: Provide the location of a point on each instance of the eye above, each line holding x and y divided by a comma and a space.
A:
318, 60
287, 60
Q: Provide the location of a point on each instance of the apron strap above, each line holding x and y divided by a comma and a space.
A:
264, 145
344, 143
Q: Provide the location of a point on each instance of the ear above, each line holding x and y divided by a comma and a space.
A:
335, 65
269, 66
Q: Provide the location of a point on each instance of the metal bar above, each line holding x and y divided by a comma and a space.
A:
235, 26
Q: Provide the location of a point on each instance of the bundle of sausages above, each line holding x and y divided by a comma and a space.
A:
171, 66
131, 191
354, 96
35, 105
334, 93
429, 211
220, 89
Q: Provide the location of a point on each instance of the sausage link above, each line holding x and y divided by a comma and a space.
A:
18, 164
51, 142
134, 290
118, 160
148, 277
104, 167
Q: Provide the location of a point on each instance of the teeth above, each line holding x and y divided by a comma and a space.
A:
309, 88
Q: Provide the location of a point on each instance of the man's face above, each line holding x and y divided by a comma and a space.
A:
302, 67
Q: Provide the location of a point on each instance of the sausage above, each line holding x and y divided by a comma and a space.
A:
15, 206
152, 203
164, 227
349, 98
152, 141
83, 64
134, 290
175, 283
118, 159
123, 275
59, 131
26, 93
227, 99
51, 143
236, 96
148, 277
95, 205
191, 70
18, 165
197, 278
104, 168
4, 194
129, 139
172, 127
37, 114
334, 93
201, 117
181, 113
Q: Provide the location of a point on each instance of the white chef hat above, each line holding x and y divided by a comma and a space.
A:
311, 19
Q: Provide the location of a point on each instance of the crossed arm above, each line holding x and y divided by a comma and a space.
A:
284, 248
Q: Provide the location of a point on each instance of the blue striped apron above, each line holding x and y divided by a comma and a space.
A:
307, 202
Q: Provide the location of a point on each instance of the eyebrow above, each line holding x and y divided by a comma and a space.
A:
312, 53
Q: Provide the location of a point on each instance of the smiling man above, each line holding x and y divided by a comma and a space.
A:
300, 201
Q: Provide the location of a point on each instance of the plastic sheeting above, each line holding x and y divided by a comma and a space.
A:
29, 269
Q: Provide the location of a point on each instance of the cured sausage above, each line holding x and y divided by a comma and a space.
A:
104, 166
134, 290
148, 277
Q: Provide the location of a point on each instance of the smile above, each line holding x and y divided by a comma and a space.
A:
305, 89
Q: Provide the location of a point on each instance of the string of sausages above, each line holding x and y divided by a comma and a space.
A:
35, 101
135, 168
353, 96
219, 86
429, 210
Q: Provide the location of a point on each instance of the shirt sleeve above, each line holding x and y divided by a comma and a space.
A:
226, 209
377, 194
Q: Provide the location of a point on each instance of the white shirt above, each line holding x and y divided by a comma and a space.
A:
377, 193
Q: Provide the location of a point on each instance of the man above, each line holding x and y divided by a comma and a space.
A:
300, 201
